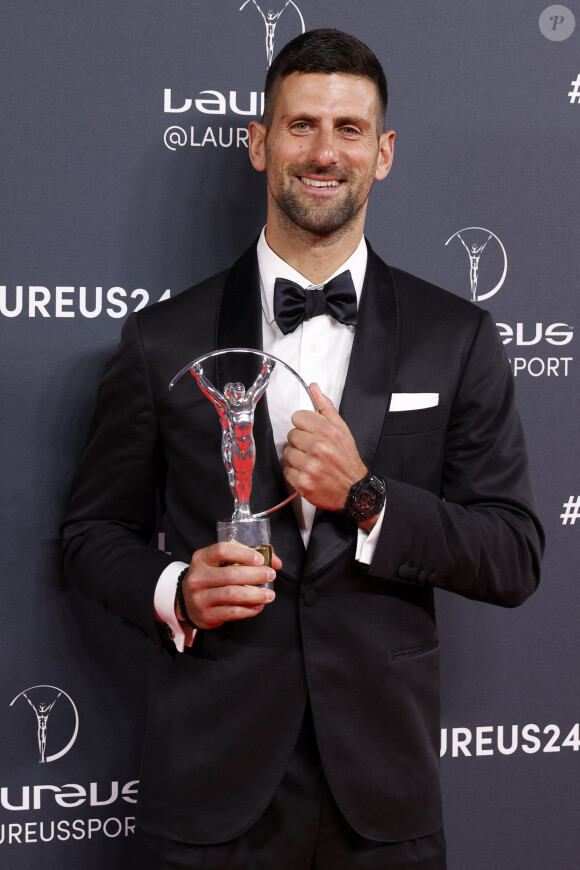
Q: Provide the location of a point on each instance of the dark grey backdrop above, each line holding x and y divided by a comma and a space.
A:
93, 197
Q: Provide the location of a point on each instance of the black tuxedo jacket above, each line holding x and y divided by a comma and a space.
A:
360, 641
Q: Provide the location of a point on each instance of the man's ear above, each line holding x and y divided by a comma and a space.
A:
257, 145
386, 154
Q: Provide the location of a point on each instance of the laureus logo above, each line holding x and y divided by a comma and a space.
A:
479, 242
271, 19
49, 704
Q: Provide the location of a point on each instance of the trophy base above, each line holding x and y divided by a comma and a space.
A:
254, 533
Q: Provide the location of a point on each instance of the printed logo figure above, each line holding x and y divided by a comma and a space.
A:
474, 253
236, 407
42, 712
37, 697
271, 19
474, 250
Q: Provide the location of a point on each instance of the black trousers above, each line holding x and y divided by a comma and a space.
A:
302, 829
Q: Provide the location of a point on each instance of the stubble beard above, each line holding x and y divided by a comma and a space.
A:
323, 218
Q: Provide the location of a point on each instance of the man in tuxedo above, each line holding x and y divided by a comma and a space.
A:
299, 728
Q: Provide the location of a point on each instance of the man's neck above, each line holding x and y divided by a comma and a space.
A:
314, 257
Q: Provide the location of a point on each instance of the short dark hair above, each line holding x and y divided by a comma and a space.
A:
326, 51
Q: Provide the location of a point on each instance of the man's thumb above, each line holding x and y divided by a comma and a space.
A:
323, 403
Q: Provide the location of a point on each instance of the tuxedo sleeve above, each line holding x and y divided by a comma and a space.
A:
479, 536
112, 509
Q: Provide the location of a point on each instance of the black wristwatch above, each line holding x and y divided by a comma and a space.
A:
365, 499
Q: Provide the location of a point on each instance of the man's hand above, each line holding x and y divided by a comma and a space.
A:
322, 458
216, 592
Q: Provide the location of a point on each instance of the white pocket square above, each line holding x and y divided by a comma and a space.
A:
413, 401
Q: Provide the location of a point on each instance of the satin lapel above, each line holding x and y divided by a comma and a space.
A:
365, 400
239, 324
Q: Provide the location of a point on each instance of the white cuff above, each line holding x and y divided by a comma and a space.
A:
164, 607
367, 541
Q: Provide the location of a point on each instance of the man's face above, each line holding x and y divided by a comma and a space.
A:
321, 151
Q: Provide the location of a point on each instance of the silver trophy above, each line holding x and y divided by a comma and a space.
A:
235, 407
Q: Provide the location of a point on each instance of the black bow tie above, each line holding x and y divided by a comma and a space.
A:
293, 304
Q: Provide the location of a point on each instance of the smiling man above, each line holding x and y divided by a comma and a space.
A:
299, 729
320, 146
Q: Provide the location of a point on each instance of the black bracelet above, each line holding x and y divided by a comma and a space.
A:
181, 599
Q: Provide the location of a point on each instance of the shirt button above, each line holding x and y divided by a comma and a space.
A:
313, 348
404, 571
310, 597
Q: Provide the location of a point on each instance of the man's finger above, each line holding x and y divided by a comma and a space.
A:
237, 596
233, 575
324, 404
300, 439
231, 551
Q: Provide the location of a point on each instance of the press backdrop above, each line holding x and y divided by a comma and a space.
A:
125, 179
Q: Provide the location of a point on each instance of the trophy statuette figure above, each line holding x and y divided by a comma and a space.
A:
235, 407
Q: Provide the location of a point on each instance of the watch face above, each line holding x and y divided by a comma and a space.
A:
366, 499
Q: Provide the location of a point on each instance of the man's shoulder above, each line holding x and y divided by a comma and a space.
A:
201, 301
419, 296
201, 297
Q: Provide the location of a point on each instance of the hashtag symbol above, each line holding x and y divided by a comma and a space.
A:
575, 94
571, 510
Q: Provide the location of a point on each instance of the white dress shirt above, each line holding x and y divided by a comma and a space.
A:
319, 350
